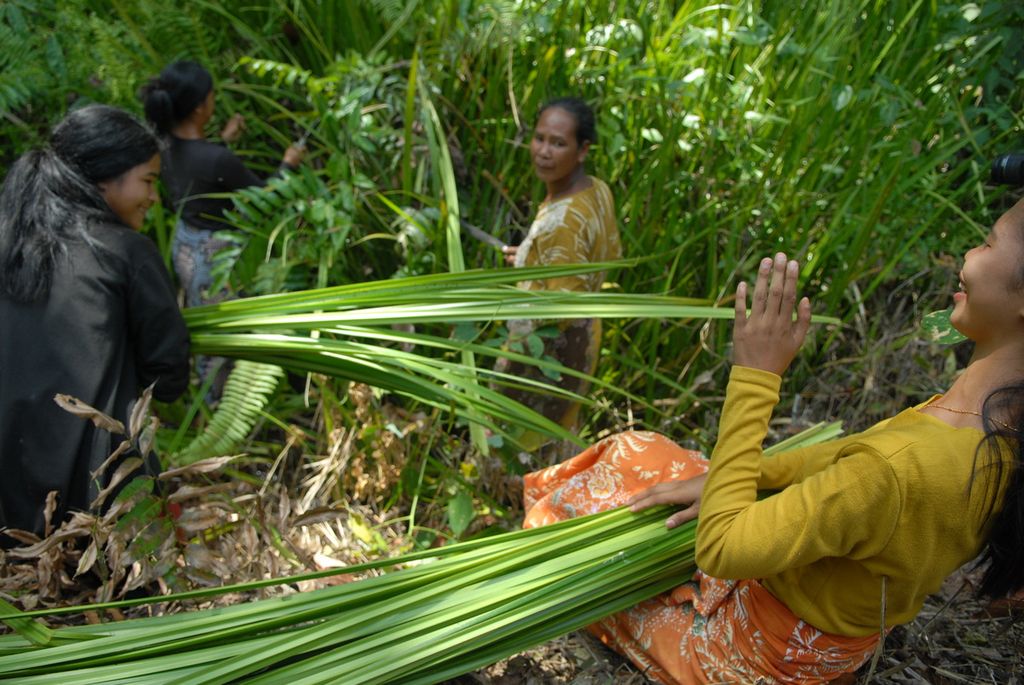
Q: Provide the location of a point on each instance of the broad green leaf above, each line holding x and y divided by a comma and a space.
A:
460, 512
938, 329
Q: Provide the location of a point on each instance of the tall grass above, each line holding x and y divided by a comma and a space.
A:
855, 134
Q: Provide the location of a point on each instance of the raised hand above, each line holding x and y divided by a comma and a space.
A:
769, 337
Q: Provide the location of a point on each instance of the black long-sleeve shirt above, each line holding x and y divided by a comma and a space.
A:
109, 327
193, 169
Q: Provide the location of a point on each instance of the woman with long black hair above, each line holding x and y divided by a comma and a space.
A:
86, 308
197, 172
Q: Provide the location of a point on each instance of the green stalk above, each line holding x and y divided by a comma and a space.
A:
453, 233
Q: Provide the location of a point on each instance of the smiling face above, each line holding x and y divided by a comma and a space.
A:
554, 149
131, 194
989, 307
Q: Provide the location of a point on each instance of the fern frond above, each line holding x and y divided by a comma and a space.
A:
246, 392
21, 76
287, 74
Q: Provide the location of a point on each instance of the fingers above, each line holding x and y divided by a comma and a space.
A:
509, 251
777, 285
681, 517
770, 336
803, 321
760, 304
775, 288
669, 492
680, 492
666, 493
741, 307
789, 287
294, 155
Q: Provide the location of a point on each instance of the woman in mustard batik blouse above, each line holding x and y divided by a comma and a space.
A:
575, 224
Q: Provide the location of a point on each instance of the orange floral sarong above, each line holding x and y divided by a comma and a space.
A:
707, 630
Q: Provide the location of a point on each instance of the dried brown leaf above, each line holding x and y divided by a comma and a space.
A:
121, 449
115, 550
136, 578
48, 511
137, 421
43, 546
147, 437
187, 492
88, 559
105, 593
45, 571
196, 519
318, 515
79, 408
204, 466
127, 468
22, 536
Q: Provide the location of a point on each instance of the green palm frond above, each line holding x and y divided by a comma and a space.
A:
448, 385
344, 331
247, 391
410, 290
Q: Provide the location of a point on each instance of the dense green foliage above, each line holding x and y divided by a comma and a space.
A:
853, 133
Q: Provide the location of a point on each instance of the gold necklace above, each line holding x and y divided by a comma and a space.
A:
974, 413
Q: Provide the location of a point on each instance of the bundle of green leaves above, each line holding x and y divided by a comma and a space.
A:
472, 604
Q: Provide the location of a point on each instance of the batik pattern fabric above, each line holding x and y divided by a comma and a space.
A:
577, 229
193, 250
707, 630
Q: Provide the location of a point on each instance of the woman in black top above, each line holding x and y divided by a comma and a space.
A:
86, 308
180, 103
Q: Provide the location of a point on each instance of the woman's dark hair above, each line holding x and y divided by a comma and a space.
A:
50, 196
1002, 448
170, 97
586, 129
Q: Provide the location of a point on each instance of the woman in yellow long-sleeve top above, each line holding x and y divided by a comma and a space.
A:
574, 224
793, 587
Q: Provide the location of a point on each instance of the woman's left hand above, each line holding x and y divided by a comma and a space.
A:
681, 492
770, 337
